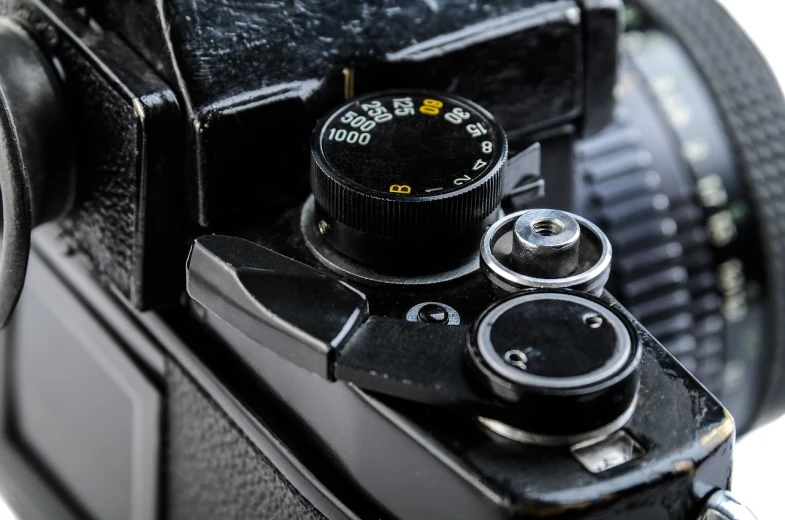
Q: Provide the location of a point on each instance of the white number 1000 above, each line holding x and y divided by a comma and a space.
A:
350, 137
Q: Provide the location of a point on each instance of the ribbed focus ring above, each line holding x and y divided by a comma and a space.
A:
752, 105
406, 218
659, 246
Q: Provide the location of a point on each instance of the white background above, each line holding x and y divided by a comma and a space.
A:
759, 474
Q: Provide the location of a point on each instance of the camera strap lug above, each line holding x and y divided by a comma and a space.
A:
724, 506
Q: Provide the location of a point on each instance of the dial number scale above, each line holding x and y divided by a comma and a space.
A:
415, 145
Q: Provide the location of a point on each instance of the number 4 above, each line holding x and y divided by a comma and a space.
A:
479, 164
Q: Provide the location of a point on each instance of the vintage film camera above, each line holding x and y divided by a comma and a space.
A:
292, 261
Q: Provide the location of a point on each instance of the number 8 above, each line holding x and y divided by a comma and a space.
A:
487, 147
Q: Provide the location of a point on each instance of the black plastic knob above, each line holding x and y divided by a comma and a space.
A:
407, 179
36, 154
569, 361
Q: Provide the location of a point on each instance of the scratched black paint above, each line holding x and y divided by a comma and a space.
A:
251, 78
685, 432
128, 215
254, 76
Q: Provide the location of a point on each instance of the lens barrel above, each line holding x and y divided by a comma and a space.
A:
688, 183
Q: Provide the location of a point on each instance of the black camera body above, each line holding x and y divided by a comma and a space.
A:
294, 266
143, 178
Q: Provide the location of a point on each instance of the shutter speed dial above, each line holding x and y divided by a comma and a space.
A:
407, 180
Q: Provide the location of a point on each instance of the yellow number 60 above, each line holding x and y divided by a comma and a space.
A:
431, 107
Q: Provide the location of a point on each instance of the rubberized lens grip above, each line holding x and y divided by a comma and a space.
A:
751, 103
